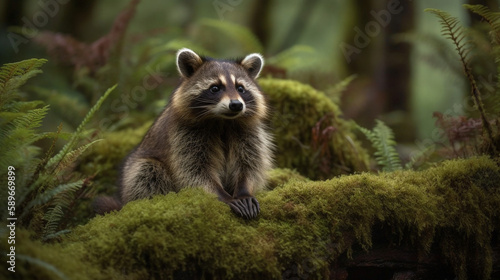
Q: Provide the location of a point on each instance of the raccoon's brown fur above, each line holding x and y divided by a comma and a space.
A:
210, 135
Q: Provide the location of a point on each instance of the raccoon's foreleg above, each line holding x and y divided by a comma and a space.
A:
243, 202
247, 207
143, 178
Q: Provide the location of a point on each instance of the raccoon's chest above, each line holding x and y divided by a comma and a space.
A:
230, 145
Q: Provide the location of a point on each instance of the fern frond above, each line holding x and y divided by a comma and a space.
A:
70, 157
48, 195
17, 135
53, 216
452, 30
55, 235
67, 106
492, 18
14, 75
31, 119
382, 139
335, 92
77, 134
237, 33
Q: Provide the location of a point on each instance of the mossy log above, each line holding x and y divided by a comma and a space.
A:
367, 226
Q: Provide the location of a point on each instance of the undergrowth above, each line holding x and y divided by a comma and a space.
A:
464, 46
46, 188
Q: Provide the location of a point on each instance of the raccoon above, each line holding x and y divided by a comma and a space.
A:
212, 134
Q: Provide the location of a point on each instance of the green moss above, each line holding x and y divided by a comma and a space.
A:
298, 108
280, 176
189, 231
304, 226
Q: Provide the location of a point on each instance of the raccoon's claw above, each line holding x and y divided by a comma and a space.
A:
247, 207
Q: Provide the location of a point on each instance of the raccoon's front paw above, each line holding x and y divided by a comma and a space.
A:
247, 207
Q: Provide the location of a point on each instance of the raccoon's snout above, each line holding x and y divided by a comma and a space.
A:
235, 106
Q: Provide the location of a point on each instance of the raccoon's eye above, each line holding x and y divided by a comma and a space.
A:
214, 89
240, 89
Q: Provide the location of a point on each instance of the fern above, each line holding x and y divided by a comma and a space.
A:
72, 142
335, 92
14, 75
46, 196
452, 30
45, 186
55, 234
493, 19
18, 123
382, 139
53, 216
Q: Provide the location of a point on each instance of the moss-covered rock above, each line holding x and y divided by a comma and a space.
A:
305, 226
297, 110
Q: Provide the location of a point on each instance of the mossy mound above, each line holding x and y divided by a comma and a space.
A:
305, 226
296, 110
280, 176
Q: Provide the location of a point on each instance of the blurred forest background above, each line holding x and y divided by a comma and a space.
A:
391, 54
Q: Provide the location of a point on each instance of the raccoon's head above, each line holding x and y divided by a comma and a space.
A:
223, 89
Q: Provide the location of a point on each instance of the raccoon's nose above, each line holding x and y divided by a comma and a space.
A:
235, 105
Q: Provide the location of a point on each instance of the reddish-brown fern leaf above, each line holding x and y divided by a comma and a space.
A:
71, 52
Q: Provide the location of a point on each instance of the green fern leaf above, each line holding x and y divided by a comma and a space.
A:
70, 157
335, 92
56, 234
493, 19
14, 75
17, 136
72, 142
382, 139
53, 216
45, 197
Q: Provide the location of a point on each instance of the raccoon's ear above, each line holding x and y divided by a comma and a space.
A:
188, 62
253, 63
